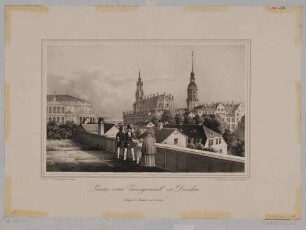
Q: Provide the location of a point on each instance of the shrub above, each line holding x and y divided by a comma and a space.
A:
60, 131
200, 146
210, 149
191, 146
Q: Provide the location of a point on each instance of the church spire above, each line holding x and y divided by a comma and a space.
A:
139, 78
192, 72
192, 61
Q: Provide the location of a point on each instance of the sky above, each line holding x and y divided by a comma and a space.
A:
105, 74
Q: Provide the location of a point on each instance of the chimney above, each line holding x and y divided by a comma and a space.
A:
100, 126
160, 125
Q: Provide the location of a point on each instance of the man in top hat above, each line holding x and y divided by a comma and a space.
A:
120, 139
129, 145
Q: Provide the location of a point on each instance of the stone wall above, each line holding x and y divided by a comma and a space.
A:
177, 159
171, 158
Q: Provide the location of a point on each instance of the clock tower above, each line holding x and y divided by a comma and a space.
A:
192, 90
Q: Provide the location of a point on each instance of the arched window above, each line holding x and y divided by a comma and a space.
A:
62, 120
58, 109
63, 110
54, 109
50, 118
50, 109
58, 119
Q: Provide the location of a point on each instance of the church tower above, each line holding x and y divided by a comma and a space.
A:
192, 90
139, 95
139, 89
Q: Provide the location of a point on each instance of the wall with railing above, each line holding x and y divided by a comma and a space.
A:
171, 158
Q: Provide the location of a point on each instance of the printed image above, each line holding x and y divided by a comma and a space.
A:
138, 106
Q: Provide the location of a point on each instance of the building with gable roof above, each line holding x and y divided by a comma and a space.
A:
168, 136
230, 113
205, 136
106, 129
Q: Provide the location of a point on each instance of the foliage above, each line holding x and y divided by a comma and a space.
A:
179, 118
228, 137
191, 145
210, 149
60, 131
189, 120
214, 124
154, 119
239, 148
199, 119
168, 116
199, 146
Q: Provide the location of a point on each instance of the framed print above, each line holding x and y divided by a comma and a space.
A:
153, 112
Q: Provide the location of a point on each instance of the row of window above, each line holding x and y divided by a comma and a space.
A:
57, 119
228, 120
211, 141
56, 109
88, 119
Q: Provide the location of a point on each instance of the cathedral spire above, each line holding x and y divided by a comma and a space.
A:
192, 72
139, 78
192, 61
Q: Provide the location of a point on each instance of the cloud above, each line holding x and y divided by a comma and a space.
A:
103, 90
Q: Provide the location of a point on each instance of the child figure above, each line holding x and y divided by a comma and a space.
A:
138, 150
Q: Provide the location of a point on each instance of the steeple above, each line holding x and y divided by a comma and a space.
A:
192, 89
192, 73
139, 90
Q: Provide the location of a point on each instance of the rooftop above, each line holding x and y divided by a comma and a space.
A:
93, 128
160, 134
65, 98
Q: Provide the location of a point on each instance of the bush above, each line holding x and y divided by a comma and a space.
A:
191, 146
239, 149
210, 149
200, 146
60, 131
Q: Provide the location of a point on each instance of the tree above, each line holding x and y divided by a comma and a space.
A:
207, 121
214, 123
154, 119
179, 118
217, 125
239, 149
199, 119
228, 137
60, 131
168, 117
189, 120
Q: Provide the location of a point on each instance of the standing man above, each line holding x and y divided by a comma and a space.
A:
120, 139
129, 145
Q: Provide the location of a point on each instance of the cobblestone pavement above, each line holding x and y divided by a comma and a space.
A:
67, 156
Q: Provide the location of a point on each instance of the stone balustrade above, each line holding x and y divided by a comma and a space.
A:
171, 158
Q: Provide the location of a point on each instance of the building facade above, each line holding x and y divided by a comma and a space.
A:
168, 136
63, 108
230, 113
240, 131
146, 106
200, 134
